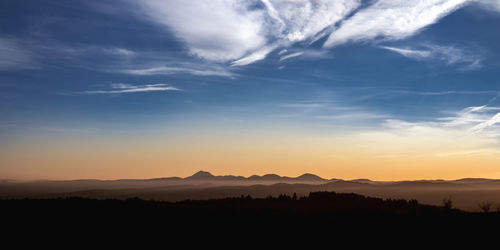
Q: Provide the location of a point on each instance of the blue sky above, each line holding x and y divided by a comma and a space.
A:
133, 66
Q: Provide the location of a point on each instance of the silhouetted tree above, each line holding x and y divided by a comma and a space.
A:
447, 202
485, 206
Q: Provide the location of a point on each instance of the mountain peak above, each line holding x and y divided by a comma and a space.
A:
310, 177
201, 175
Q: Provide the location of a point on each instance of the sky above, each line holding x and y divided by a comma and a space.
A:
379, 89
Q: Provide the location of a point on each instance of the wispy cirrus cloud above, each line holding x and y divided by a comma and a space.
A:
170, 70
120, 51
410, 53
291, 55
243, 32
442, 93
16, 56
392, 20
214, 30
304, 54
471, 131
121, 88
133, 62
327, 113
493, 5
253, 57
492, 121
447, 54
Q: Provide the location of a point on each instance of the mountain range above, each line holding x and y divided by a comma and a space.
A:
207, 176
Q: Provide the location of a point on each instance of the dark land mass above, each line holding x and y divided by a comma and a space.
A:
317, 208
319, 215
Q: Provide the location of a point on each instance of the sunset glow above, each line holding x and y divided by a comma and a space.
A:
385, 90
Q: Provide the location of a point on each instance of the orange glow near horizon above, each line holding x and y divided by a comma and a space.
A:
373, 155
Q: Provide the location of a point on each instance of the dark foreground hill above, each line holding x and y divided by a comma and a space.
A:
320, 215
317, 205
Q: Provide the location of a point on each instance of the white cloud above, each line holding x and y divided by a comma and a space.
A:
241, 31
452, 55
291, 55
488, 123
411, 53
303, 20
218, 30
120, 88
472, 120
305, 54
256, 56
283, 51
447, 54
477, 119
392, 20
439, 138
471, 131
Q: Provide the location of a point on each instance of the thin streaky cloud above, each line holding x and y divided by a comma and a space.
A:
440, 93
448, 54
291, 55
410, 53
119, 88
492, 5
121, 51
274, 14
256, 56
470, 120
168, 70
359, 116
472, 129
486, 124
14, 56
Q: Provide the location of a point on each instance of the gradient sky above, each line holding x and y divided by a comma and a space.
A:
380, 89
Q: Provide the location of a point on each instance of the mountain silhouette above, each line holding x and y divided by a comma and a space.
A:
310, 177
207, 176
201, 175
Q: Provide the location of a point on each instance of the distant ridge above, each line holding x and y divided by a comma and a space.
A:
207, 176
310, 177
200, 175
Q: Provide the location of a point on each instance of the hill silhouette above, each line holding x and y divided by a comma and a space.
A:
204, 175
200, 175
327, 215
316, 206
